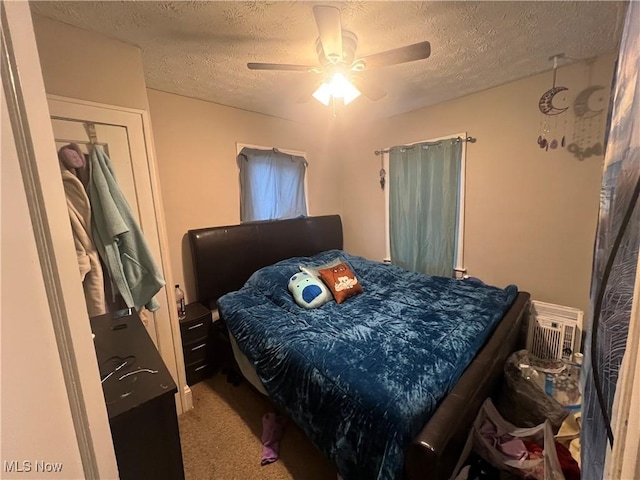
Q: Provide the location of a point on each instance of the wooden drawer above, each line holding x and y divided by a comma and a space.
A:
197, 351
199, 371
195, 330
196, 325
197, 343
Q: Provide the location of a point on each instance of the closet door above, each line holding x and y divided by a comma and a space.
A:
124, 138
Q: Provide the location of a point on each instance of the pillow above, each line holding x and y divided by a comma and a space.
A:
341, 281
308, 291
315, 270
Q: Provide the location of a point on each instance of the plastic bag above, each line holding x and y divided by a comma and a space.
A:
545, 468
523, 400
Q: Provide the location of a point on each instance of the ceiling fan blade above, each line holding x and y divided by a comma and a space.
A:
368, 88
330, 31
410, 53
279, 66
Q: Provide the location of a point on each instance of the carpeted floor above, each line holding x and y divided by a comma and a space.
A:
221, 438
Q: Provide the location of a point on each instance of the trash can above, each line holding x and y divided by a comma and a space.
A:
527, 394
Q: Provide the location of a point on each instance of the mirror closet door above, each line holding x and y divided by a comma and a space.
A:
114, 139
124, 136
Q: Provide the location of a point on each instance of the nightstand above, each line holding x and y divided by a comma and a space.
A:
198, 349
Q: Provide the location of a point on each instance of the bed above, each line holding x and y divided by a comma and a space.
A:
225, 258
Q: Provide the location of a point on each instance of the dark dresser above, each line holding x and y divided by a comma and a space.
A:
139, 393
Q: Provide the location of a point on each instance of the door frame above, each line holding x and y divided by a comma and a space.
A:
167, 325
24, 90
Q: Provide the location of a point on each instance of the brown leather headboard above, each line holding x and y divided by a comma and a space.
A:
225, 257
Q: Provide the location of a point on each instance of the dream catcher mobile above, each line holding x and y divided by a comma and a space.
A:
588, 125
549, 124
588, 128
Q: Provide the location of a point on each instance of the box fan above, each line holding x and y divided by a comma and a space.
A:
555, 331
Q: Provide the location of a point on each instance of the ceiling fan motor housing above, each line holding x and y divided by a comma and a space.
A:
349, 44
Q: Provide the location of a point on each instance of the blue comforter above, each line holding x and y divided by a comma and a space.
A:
363, 377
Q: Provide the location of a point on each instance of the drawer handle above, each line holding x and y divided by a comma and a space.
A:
193, 327
201, 367
198, 347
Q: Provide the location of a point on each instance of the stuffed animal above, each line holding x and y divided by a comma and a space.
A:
309, 291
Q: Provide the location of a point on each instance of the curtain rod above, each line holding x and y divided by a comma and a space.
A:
458, 140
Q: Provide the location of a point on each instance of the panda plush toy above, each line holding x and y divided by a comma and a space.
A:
309, 291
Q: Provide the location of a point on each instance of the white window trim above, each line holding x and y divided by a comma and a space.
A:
459, 255
288, 151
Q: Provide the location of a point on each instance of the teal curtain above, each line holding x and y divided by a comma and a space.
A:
423, 205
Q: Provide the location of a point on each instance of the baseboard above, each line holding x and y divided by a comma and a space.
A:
188, 398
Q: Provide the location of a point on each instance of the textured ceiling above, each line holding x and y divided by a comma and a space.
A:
200, 49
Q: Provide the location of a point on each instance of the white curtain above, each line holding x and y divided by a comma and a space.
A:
271, 185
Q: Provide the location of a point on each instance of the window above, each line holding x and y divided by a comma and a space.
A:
424, 203
272, 183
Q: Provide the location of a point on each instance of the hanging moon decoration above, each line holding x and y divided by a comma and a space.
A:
546, 101
581, 103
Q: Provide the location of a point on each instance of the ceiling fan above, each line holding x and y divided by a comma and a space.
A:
338, 65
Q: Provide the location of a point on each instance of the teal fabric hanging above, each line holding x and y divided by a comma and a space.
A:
608, 327
423, 205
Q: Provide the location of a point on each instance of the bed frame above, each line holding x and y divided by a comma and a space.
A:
225, 257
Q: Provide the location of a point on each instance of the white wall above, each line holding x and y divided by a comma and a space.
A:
80, 64
196, 152
530, 214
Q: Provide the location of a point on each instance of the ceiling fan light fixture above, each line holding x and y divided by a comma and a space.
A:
338, 87
337, 61
323, 93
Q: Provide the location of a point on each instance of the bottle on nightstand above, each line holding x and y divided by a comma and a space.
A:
182, 312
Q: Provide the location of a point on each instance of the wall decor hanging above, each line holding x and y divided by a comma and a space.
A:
589, 108
383, 174
549, 136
